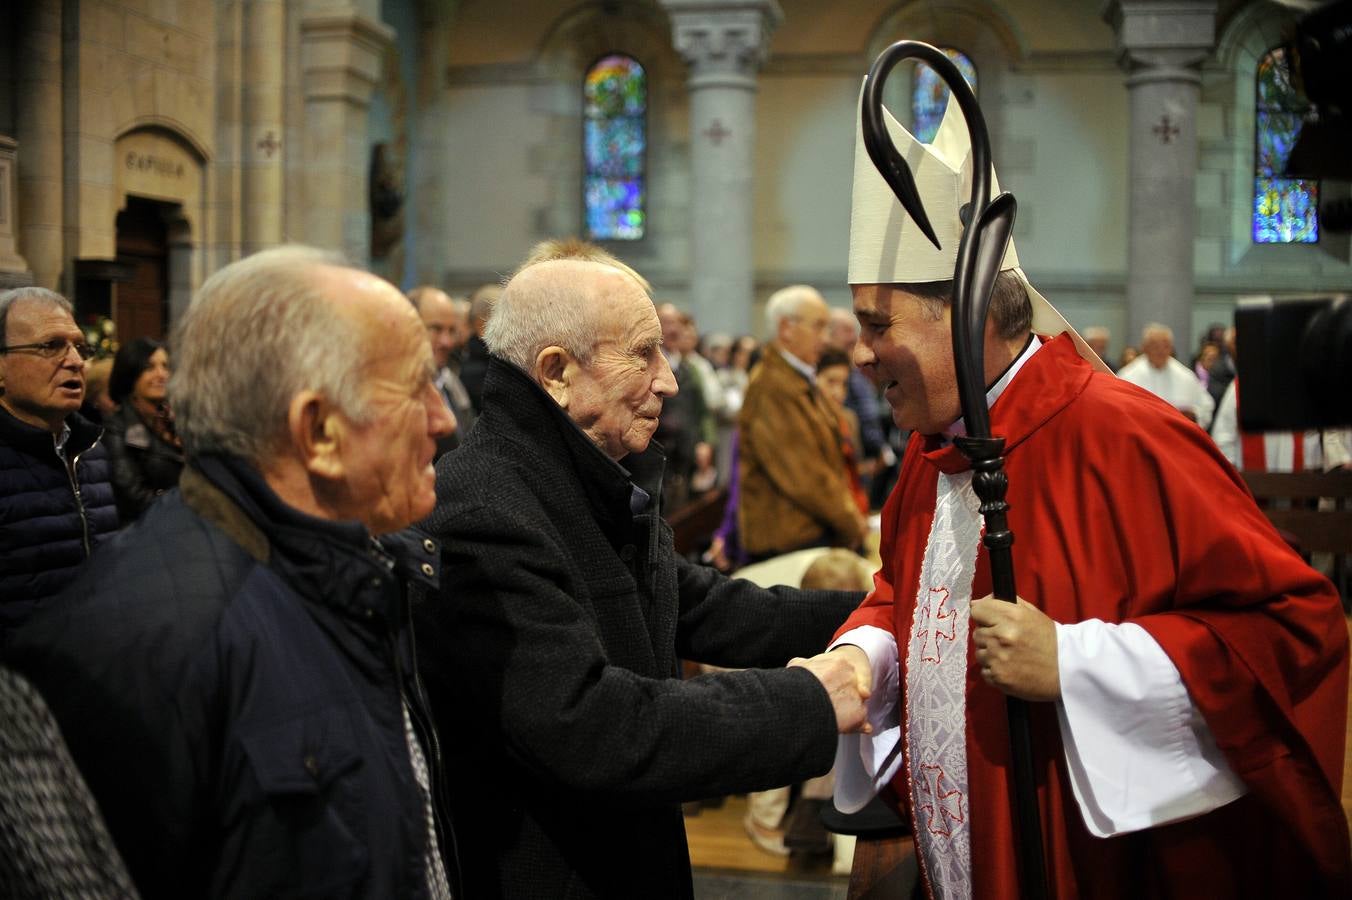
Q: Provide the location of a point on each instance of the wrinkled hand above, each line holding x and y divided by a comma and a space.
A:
841, 679
863, 669
1016, 648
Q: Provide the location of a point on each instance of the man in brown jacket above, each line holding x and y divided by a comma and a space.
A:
793, 486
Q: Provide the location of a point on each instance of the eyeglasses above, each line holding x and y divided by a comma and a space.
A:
56, 348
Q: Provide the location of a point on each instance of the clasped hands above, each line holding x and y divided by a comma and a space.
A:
848, 678
1014, 646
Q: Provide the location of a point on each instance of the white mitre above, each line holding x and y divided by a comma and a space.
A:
886, 245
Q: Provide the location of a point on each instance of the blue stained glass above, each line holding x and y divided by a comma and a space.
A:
615, 147
1285, 210
615, 139
929, 96
615, 208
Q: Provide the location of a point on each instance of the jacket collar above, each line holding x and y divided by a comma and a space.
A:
773, 365
335, 564
515, 405
38, 441
1046, 384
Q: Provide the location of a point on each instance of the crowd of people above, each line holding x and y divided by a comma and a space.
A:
377, 595
1207, 392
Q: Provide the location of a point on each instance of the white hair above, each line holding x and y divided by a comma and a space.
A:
35, 294
1156, 329
534, 313
258, 332
1095, 331
786, 303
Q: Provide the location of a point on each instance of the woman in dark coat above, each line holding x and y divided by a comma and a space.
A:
146, 453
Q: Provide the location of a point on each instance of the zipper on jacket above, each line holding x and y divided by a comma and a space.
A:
71, 470
432, 755
441, 803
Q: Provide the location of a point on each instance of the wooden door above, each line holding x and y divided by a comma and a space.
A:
142, 303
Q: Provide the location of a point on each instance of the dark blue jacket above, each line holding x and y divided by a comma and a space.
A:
228, 674
49, 522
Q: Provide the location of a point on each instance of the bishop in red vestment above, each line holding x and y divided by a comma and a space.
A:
1188, 671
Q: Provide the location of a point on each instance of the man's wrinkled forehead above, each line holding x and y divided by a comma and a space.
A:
37, 318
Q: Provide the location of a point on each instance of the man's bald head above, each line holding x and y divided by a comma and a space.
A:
559, 302
587, 333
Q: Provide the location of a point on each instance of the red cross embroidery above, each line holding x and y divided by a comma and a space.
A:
934, 788
931, 625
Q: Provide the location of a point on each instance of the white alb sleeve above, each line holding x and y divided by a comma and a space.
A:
867, 762
1138, 751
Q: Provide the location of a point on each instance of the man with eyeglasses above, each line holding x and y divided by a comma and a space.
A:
56, 499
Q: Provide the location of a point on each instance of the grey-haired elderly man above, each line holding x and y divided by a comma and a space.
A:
56, 500
570, 608
234, 674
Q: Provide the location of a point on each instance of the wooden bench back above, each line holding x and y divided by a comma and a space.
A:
1291, 501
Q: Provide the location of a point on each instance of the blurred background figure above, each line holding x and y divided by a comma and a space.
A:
447, 321
474, 365
793, 491
143, 444
833, 375
1158, 372
1098, 338
98, 406
861, 397
686, 420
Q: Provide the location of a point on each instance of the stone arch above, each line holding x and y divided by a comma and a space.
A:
156, 161
570, 46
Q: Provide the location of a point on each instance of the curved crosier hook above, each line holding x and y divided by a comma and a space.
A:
984, 240
981, 250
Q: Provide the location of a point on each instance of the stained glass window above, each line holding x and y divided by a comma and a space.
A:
615, 136
1285, 210
929, 96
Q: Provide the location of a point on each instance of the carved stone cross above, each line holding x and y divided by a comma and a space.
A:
716, 132
269, 144
1166, 129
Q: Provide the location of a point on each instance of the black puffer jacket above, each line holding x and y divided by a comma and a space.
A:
230, 675
144, 464
49, 522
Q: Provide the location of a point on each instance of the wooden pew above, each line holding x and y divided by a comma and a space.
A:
1290, 500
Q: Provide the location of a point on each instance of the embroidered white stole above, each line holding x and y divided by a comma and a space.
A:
936, 691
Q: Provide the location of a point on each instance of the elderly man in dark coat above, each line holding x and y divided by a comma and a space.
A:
555, 646
56, 500
234, 672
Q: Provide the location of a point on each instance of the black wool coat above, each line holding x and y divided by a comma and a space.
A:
551, 655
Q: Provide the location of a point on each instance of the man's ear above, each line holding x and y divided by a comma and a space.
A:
317, 432
554, 371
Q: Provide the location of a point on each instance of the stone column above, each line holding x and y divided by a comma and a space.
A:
264, 41
1161, 45
341, 56
724, 42
37, 126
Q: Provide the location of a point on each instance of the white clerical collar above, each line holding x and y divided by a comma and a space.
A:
959, 427
807, 371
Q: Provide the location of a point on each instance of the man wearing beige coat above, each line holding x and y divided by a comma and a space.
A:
794, 492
